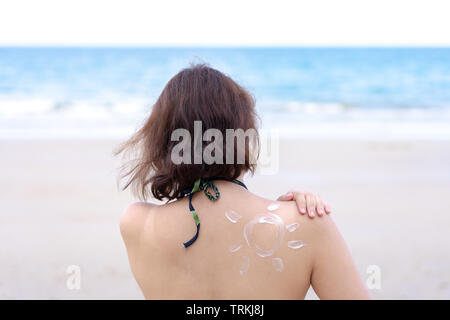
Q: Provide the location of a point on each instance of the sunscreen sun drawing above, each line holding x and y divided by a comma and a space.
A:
276, 238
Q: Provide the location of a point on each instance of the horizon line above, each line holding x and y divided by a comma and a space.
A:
229, 46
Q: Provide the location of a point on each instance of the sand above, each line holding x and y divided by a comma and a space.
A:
60, 207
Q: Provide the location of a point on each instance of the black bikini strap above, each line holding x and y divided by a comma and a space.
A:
204, 184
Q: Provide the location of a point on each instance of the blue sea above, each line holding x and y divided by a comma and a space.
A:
379, 93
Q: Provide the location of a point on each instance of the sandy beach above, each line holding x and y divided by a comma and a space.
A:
61, 206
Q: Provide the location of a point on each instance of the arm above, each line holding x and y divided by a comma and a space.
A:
334, 274
132, 224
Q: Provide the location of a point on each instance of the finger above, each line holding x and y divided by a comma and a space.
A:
286, 197
319, 206
301, 201
311, 205
327, 208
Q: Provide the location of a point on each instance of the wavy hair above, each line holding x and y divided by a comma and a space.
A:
197, 93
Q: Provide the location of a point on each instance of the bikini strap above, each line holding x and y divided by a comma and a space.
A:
205, 185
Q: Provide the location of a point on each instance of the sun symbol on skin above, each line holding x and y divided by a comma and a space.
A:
277, 238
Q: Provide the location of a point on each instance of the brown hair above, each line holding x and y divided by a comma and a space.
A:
198, 93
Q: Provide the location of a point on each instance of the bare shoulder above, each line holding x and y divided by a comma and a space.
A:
134, 219
316, 228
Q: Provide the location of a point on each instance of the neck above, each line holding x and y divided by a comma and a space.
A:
241, 176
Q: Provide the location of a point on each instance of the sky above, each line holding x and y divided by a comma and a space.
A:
224, 23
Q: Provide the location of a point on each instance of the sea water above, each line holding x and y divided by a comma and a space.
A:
383, 93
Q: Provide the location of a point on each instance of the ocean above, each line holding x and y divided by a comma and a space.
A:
351, 93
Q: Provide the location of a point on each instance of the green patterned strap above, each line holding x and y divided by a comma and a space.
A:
204, 184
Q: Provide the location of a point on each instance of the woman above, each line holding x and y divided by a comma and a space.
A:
248, 247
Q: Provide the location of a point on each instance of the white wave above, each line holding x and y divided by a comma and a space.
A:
44, 118
22, 107
311, 108
19, 107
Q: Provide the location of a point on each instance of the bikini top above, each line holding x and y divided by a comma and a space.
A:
204, 184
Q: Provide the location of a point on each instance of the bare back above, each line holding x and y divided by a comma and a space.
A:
248, 248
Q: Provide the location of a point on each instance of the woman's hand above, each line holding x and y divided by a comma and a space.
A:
307, 203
